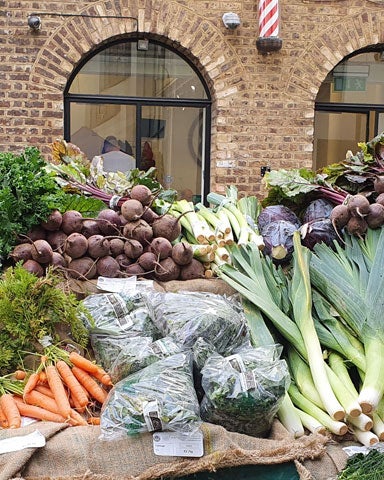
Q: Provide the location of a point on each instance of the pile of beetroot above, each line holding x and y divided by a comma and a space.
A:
131, 241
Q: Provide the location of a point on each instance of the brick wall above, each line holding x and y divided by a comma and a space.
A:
263, 104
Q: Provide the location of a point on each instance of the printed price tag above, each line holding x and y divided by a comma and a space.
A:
173, 444
34, 439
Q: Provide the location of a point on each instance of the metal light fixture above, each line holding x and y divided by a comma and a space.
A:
34, 22
231, 20
142, 44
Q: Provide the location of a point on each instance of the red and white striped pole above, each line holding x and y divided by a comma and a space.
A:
268, 26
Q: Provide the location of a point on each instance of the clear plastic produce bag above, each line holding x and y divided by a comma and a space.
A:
244, 391
158, 397
186, 316
138, 352
119, 313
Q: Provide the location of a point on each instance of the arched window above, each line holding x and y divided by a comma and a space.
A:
155, 104
349, 106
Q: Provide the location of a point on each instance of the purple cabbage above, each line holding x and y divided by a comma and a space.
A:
274, 213
317, 232
278, 240
317, 210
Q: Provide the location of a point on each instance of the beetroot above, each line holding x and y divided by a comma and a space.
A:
149, 215
33, 267
132, 209
21, 252
133, 248
41, 251
76, 245
82, 268
134, 270
108, 267
72, 221
139, 230
57, 240
98, 246
141, 193
123, 261
167, 270
109, 222
116, 246
148, 261
167, 226
375, 217
358, 205
53, 221
58, 260
340, 216
161, 247
182, 253
90, 227
192, 270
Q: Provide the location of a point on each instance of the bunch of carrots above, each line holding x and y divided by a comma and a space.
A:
66, 387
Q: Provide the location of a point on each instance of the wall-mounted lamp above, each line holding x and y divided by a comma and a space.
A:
142, 44
34, 22
231, 20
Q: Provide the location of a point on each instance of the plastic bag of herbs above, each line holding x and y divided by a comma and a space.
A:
244, 391
137, 353
187, 316
158, 397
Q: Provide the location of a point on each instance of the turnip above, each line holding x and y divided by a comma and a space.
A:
194, 269
72, 221
41, 251
57, 240
375, 217
108, 267
109, 222
167, 270
21, 252
33, 267
116, 246
182, 253
82, 268
139, 230
167, 226
76, 245
141, 193
98, 246
162, 247
148, 261
132, 209
53, 221
358, 205
90, 227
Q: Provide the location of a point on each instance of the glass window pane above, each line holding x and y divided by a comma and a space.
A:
335, 134
91, 124
172, 141
360, 79
122, 70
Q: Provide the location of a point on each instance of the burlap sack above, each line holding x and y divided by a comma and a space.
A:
78, 453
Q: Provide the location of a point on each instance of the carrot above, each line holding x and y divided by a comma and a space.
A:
72, 383
43, 378
77, 419
3, 419
93, 420
37, 412
94, 389
103, 377
83, 363
57, 386
31, 383
40, 400
45, 390
10, 410
19, 374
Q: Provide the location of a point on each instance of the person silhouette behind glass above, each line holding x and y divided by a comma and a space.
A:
114, 159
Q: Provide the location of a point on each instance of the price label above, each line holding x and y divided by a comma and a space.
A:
173, 444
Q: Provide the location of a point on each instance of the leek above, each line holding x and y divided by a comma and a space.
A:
301, 299
290, 417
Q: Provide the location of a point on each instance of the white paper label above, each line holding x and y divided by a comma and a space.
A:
173, 444
116, 284
34, 439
